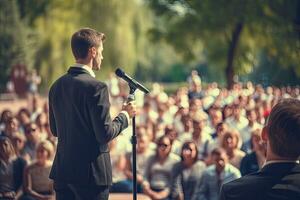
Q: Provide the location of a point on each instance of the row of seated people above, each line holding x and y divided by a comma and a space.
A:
163, 174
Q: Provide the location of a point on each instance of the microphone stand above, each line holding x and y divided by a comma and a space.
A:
133, 142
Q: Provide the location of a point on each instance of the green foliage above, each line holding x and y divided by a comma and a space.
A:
14, 46
265, 25
125, 24
163, 45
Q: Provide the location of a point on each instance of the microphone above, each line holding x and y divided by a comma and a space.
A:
132, 83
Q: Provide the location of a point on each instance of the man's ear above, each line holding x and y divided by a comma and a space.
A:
265, 134
93, 52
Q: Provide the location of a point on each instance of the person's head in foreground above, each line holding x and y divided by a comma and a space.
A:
282, 131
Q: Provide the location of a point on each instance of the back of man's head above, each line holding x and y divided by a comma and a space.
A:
84, 39
283, 128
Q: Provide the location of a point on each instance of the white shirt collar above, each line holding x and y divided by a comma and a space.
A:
87, 68
281, 161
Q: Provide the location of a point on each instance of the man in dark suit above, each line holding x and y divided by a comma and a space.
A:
280, 177
79, 114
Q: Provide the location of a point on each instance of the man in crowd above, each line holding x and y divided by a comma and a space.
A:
215, 176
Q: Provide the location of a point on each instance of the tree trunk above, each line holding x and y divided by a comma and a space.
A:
229, 71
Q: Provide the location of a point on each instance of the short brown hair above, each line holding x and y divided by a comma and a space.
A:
83, 40
283, 127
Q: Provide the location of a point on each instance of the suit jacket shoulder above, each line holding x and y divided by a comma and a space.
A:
274, 181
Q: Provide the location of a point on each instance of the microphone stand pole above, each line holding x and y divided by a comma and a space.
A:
134, 142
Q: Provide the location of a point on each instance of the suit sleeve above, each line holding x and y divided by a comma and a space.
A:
51, 117
104, 128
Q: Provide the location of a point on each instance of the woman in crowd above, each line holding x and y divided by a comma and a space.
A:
5, 115
37, 185
11, 127
158, 173
172, 134
187, 173
42, 122
254, 161
18, 140
11, 170
24, 118
230, 143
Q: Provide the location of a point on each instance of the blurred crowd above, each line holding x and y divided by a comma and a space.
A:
189, 142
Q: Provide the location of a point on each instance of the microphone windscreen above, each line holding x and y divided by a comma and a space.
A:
119, 72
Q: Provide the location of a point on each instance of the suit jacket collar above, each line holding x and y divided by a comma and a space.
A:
281, 168
78, 70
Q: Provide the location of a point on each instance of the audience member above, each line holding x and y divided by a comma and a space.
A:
187, 173
230, 144
11, 170
254, 161
11, 126
158, 173
37, 184
5, 115
215, 176
199, 136
246, 132
32, 140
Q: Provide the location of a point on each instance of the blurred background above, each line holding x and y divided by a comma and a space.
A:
214, 68
154, 40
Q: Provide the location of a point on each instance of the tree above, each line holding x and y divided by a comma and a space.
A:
231, 32
14, 44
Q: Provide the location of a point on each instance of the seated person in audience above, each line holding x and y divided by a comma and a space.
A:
11, 170
221, 129
216, 118
187, 123
158, 172
230, 144
11, 126
254, 161
237, 120
37, 185
143, 154
18, 140
24, 118
246, 132
42, 122
187, 173
172, 134
5, 115
215, 176
200, 137
118, 162
32, 140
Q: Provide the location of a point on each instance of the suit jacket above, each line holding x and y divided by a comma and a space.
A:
274, 181
79, 116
